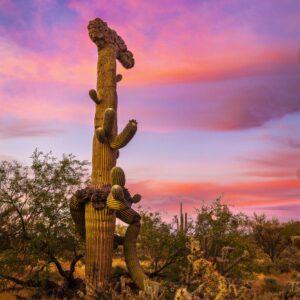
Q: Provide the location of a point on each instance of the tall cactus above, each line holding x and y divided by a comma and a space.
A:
94, 209
181, 222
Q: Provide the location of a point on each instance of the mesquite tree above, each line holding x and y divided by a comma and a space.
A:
95, 208
36, 231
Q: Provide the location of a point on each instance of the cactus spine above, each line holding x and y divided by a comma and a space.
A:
94, 209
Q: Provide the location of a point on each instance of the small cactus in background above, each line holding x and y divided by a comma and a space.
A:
94, 209
181, 222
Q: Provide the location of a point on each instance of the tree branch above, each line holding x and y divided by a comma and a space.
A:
73, 264
59, 267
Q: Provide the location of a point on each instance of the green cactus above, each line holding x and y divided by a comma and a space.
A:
94, 209
119, 78
182, 221
77, 213
122, 139
104, 133
117, 176
136, 198
116, 199
94, 96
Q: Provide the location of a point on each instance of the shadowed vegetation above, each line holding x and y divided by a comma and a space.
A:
215, 255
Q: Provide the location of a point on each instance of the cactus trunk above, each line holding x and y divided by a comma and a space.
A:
100, 224
100, 227
104, 157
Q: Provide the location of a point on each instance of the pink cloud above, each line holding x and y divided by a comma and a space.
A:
165, 195
237, 105
168, 49
26, 128
42, 104
282, 161
22, 64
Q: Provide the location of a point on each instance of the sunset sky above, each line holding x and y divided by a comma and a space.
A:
215, 89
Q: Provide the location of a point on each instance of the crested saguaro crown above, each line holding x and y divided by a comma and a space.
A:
95, 208
104, 36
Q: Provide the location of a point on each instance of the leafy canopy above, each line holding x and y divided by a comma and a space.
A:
36, 228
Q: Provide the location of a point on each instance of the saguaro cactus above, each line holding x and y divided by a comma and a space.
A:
181, 222
94, 209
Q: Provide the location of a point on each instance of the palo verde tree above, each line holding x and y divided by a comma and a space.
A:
36, 229
95, 208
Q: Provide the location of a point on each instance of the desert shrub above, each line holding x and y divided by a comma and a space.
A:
201, 279
224, 238
278, 241
36, 222
162, 247
269, 236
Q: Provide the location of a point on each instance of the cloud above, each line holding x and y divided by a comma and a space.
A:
18, 63
53, 49
25, 128
165, 195
233, 105
212, 45
49, 103
279, 161
277, 158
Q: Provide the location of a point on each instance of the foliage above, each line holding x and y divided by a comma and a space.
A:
224, 238
212, 258
35, 219
269, 236
203, 281
160, 245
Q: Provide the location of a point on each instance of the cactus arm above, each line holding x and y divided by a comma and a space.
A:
104, 132
122, 139
77, 210
131, 217
93, 95
136, 198
119, 77
132, 262
115, 199
108, 121
115, 204
100, 134
117, 193
128, 215
117, 177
